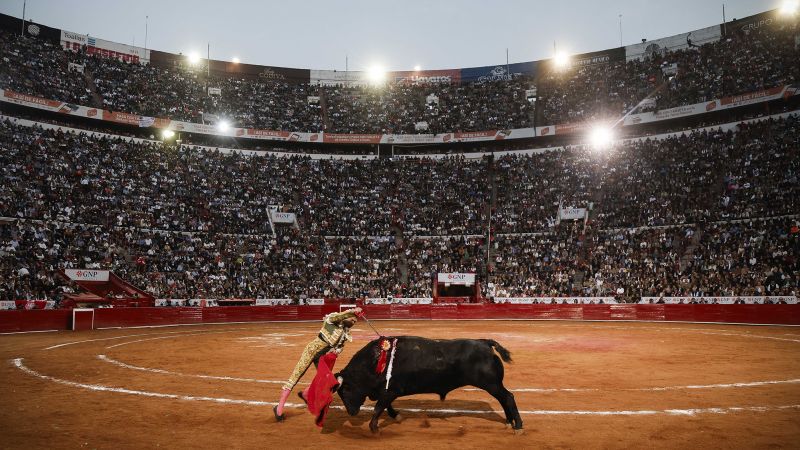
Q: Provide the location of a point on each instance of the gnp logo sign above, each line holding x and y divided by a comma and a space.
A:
456, 278
86, 274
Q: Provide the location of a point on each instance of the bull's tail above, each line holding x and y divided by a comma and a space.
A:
505, 355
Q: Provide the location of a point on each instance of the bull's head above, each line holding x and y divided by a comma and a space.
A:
351, 395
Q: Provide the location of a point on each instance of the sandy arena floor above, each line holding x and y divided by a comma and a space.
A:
577, 385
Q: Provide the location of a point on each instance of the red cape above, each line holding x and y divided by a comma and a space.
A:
320, 394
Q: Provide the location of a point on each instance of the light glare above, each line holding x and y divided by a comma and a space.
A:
601, 137
561, 59
223, 126
235, 60
167, 134
376, 74
417, 68
194, 58
789, 7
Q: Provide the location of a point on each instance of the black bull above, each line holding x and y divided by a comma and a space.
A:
426, 366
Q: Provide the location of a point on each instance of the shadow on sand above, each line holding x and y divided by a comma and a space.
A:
356, 427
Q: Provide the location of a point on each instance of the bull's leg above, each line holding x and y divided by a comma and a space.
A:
393, 413
506, 400
384, 401
511, 406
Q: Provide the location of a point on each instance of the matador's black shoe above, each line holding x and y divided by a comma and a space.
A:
278, 418
302, 397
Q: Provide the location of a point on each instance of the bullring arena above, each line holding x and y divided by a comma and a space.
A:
578, 384
184, 232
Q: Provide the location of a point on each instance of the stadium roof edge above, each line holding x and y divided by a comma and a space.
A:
14, 24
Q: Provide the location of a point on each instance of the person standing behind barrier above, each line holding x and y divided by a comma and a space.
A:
332, 336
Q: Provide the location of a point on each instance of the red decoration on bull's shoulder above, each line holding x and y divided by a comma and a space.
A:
385, 346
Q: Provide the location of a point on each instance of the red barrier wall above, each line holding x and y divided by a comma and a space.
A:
35, 320
60, 319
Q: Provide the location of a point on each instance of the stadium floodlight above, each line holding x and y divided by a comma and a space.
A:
167, 134
194, 58
417, 68
376, 75
789, 7
223, 126
561, 59
601, 137
235, 60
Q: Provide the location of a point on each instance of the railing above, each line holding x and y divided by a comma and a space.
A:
61, 319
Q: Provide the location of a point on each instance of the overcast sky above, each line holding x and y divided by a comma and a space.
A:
434, 34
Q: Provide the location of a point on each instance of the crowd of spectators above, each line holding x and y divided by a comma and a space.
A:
183, 222
740, 62
398, 108
30, 66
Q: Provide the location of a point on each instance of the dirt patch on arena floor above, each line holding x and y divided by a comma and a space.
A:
577, 384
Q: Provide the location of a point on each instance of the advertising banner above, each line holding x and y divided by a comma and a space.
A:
556, 300
473, 136
449, 76
172, 302
681, 41
749, 300
264, 73
351, 138
572, 213
103, 48
499, 72
86, 274
120, 117
492, 135
398, 301
565, 128
735, 101
339, 78
757, 97
766, 19
271, 135
273, 301
27, 304
600, 57
456, 278
282, 217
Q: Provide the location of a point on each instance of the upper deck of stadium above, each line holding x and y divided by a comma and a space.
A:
717, 68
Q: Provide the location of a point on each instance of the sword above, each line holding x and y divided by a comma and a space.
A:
364, 316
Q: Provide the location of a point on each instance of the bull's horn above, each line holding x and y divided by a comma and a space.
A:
340, 379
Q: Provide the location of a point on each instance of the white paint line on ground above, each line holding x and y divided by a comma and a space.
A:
717, 386
524, 389
172, 337
100, 339
664, 388
561, 325
18, 362
698, 330
540, 389
167, 372
124, 337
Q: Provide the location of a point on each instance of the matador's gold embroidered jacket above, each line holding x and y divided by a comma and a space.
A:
333, 332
